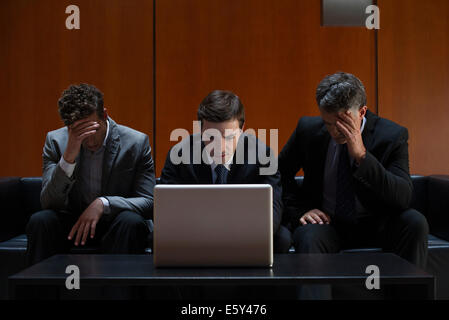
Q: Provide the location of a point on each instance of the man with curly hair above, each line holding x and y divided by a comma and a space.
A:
98, 180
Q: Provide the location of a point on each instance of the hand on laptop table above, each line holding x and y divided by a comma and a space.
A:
87, 222
315, 216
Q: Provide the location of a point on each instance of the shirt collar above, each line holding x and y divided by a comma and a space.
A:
107, 133
363, 124
213, 165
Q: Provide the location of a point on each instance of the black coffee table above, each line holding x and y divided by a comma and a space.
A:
288, 269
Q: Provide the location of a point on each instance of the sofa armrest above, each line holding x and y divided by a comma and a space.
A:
438, 206
30, 191
11, 213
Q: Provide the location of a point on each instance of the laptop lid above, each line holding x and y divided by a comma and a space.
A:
213, 225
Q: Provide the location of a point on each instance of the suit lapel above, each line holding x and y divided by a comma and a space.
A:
239, 171
202, 171
322, 143
110, 153
236, 170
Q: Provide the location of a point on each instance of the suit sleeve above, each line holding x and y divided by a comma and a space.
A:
290, 162
388, 185
275, 181
169, 174
141, 199
56, 185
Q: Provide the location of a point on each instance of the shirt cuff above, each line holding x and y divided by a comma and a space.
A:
106, 207
67, 167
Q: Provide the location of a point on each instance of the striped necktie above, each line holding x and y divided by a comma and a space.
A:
220, 170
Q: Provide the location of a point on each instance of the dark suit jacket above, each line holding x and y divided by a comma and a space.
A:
382, 181
245, 173
127, 175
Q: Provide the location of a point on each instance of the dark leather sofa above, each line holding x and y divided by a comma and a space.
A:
19, 199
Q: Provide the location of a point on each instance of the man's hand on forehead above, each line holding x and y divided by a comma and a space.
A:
347, 117
350, 128
79, 131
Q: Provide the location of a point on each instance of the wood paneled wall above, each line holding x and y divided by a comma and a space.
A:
270, 53
414, 78
39, 58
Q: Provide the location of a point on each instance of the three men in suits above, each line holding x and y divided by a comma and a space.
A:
225, 155
99, 176
357, 188
98, 180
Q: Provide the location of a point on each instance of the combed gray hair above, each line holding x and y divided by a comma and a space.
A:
340, 92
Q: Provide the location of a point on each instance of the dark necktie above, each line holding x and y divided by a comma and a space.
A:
220, 170
345, 202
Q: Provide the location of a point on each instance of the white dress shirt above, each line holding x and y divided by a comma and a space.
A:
68, 168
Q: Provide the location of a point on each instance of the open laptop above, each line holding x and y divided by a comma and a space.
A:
213, 225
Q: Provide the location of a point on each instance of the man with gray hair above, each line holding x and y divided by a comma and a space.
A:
357, 188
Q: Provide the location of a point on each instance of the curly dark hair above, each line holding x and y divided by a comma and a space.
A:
80, 101
340, 91
221, 105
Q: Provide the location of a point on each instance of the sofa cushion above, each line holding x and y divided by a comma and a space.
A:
437, 243
438, 265
16, 244
12, 257
30, 191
